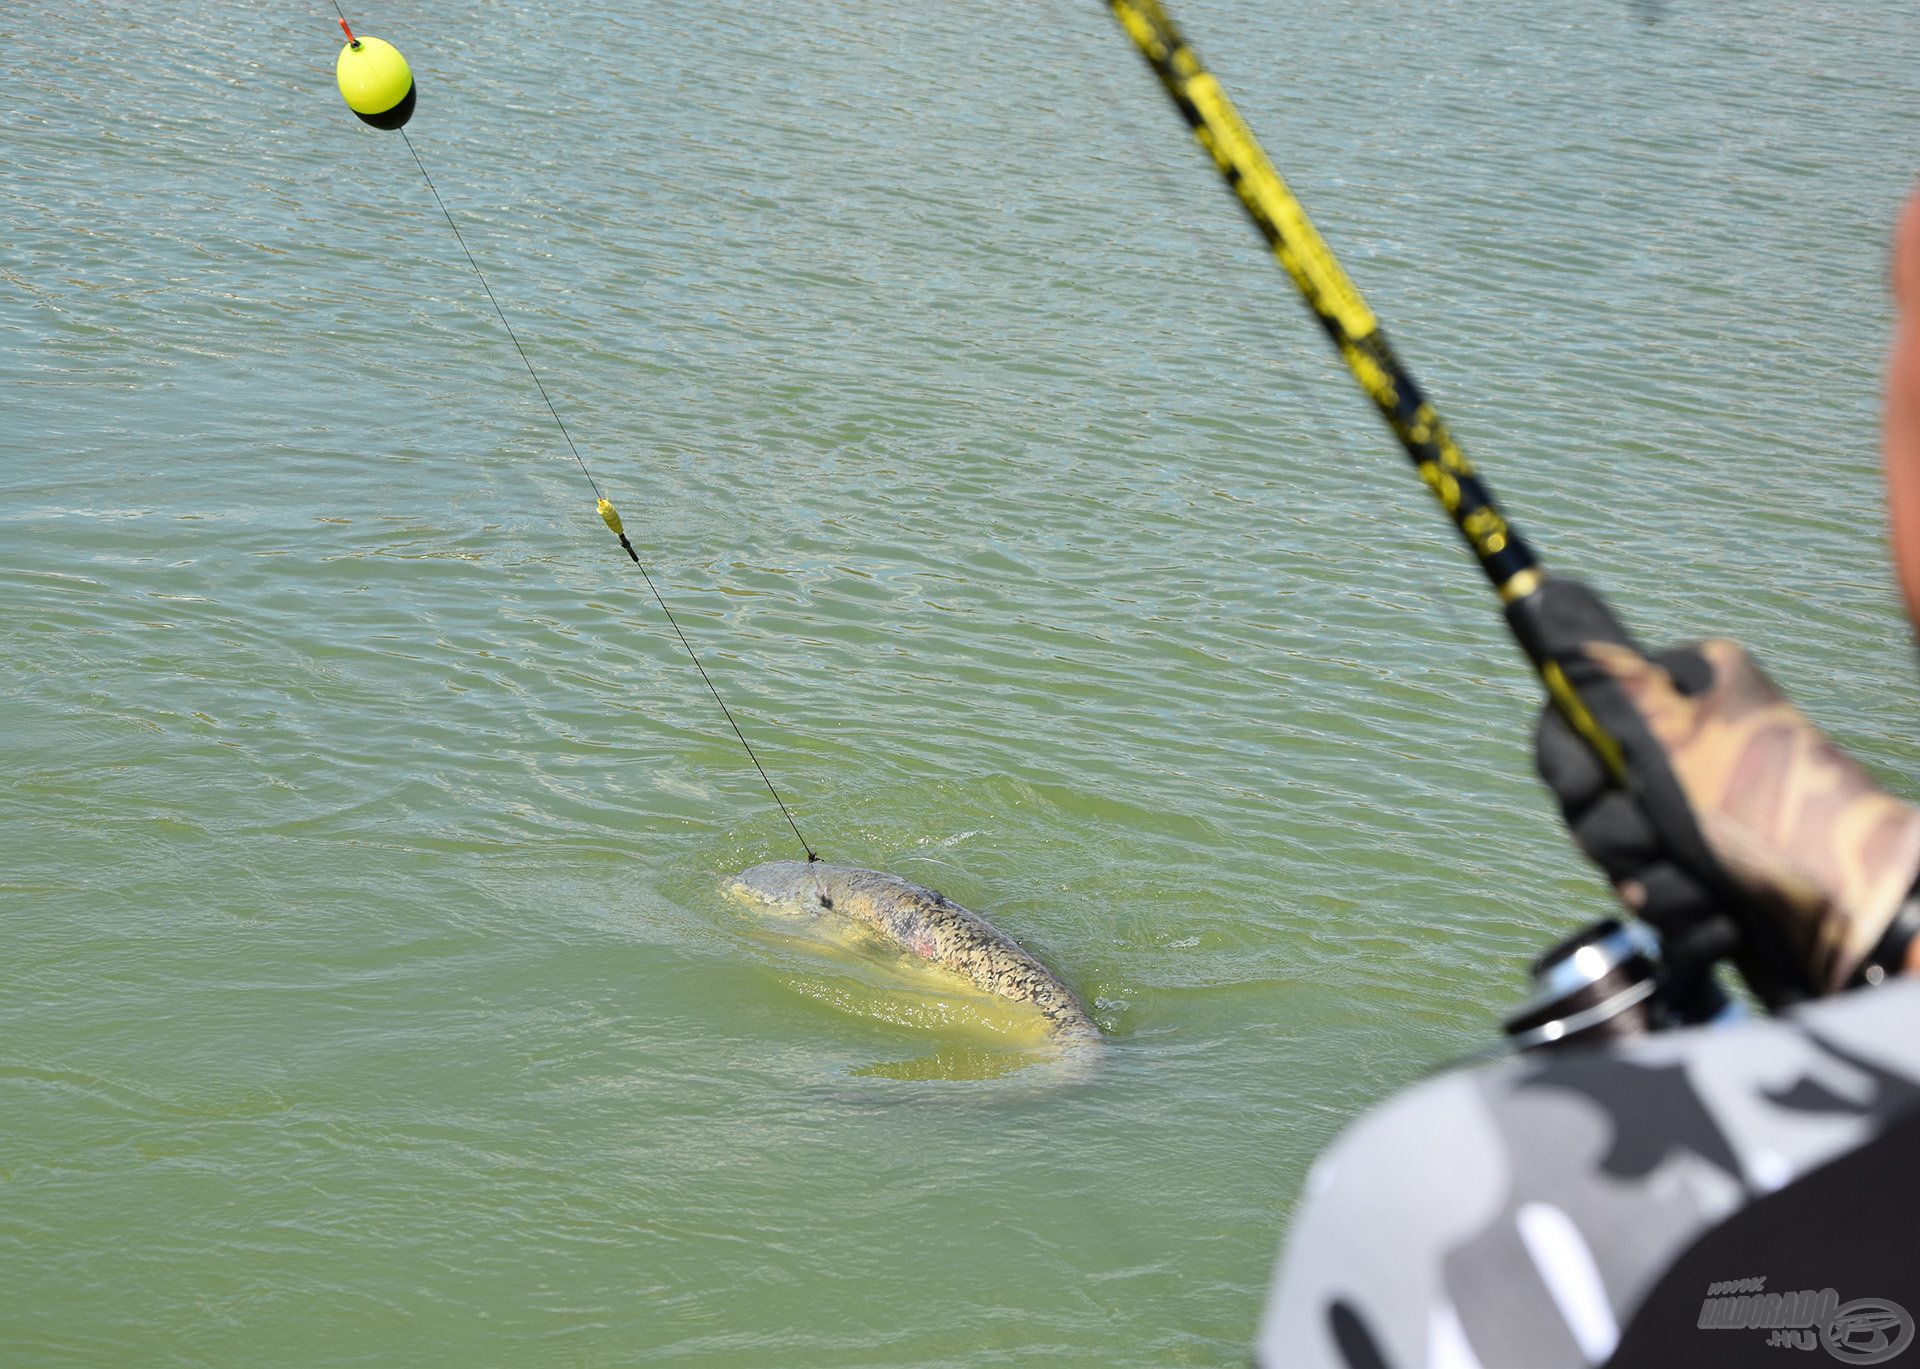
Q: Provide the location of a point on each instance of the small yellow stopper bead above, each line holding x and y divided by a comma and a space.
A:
376, 82
611, 518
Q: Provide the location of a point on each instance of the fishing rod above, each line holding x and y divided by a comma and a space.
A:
1508, 561
1627, 961
378, 86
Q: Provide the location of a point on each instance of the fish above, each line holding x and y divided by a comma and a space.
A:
925, 924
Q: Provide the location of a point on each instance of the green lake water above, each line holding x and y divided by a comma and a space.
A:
367, 995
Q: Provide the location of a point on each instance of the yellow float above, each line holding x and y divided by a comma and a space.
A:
375, 80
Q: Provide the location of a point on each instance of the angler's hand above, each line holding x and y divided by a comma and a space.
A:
1740, 805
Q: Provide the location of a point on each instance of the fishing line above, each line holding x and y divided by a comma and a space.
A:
608, 514
511, 335
1174, 192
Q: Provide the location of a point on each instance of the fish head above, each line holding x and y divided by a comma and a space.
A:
793, 887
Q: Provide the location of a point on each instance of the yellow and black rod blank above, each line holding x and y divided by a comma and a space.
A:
1548, 633
1335, 301
1506, 558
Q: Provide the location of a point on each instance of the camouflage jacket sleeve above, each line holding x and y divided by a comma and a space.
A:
1717, 1196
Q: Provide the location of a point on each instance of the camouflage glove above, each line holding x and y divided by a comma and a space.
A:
1739, 805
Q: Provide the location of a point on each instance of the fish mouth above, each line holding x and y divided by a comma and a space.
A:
780, 885
740, 891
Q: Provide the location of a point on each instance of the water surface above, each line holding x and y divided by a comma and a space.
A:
368, 995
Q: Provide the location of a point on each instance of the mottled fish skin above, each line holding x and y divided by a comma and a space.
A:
925, 923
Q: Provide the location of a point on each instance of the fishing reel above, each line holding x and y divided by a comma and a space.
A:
1610, 982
